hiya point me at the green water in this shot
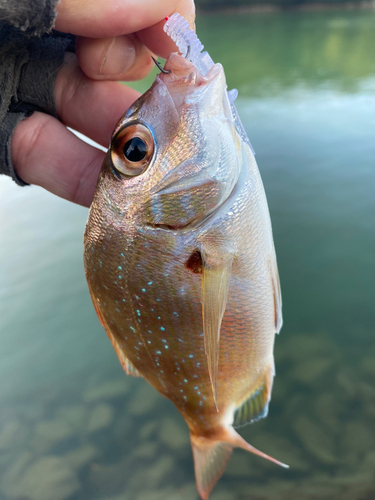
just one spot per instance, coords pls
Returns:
(74, 427)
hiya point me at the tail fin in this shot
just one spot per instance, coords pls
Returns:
(211, 457)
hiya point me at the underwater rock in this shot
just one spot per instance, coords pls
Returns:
(353, 479)
(155, 473)
(357, 438)
(101, 416)
(81, 456)
(240, 465)
(146, 450)
(12, 434)
(306, 346)
(187, 492)
(358, 492)
(367, 366)
(121, 428)
(223, 494)
(310, 370)
(269, 490)
(317, 442)
(159, 470)
(110, 479)
(13, 473)
(366, 392)
(148, 429)
(75, 416)
(327, 408)
(283, 449)
(347, 381)
(319, 487)
(108, 390)
(144, 400)
(49, 478)
(50, 432)
(172, 434)
(369, 462)
(168, 493)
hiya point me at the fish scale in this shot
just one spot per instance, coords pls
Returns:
(180, 261)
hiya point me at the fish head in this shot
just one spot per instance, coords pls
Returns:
(175, 155)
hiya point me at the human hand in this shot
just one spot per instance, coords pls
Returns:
(115, 42)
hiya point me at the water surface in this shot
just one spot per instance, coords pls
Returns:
(74, 427)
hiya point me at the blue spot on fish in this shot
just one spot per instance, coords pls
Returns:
(162, 328)
(120, 268)
(149, 283)
(143, 289)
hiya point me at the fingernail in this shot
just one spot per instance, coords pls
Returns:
(118, 57)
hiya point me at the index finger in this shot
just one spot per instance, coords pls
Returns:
(103, 18)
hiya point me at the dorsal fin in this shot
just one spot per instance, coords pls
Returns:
(255, 405)
(215, 285)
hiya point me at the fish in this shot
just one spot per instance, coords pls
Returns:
(180, 260)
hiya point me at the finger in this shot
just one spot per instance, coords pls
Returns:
(91, 107)
(116, 58)
(104, 18)
(46, 153)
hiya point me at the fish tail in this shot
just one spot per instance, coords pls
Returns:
(211, 456)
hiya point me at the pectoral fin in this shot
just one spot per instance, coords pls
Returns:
(255, 404)
(215, 285)
(276, 293)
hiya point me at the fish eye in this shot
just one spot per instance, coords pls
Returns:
(132, 149)
(135, 149)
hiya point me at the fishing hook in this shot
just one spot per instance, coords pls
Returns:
(167, 71)
(159, 66)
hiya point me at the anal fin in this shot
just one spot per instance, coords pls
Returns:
(215, 285)
(255, 405)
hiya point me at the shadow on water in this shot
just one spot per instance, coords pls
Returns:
(73, 426)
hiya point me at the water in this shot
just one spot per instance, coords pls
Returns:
(74, 427)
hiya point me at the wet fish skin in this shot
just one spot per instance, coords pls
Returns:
(181, 264)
